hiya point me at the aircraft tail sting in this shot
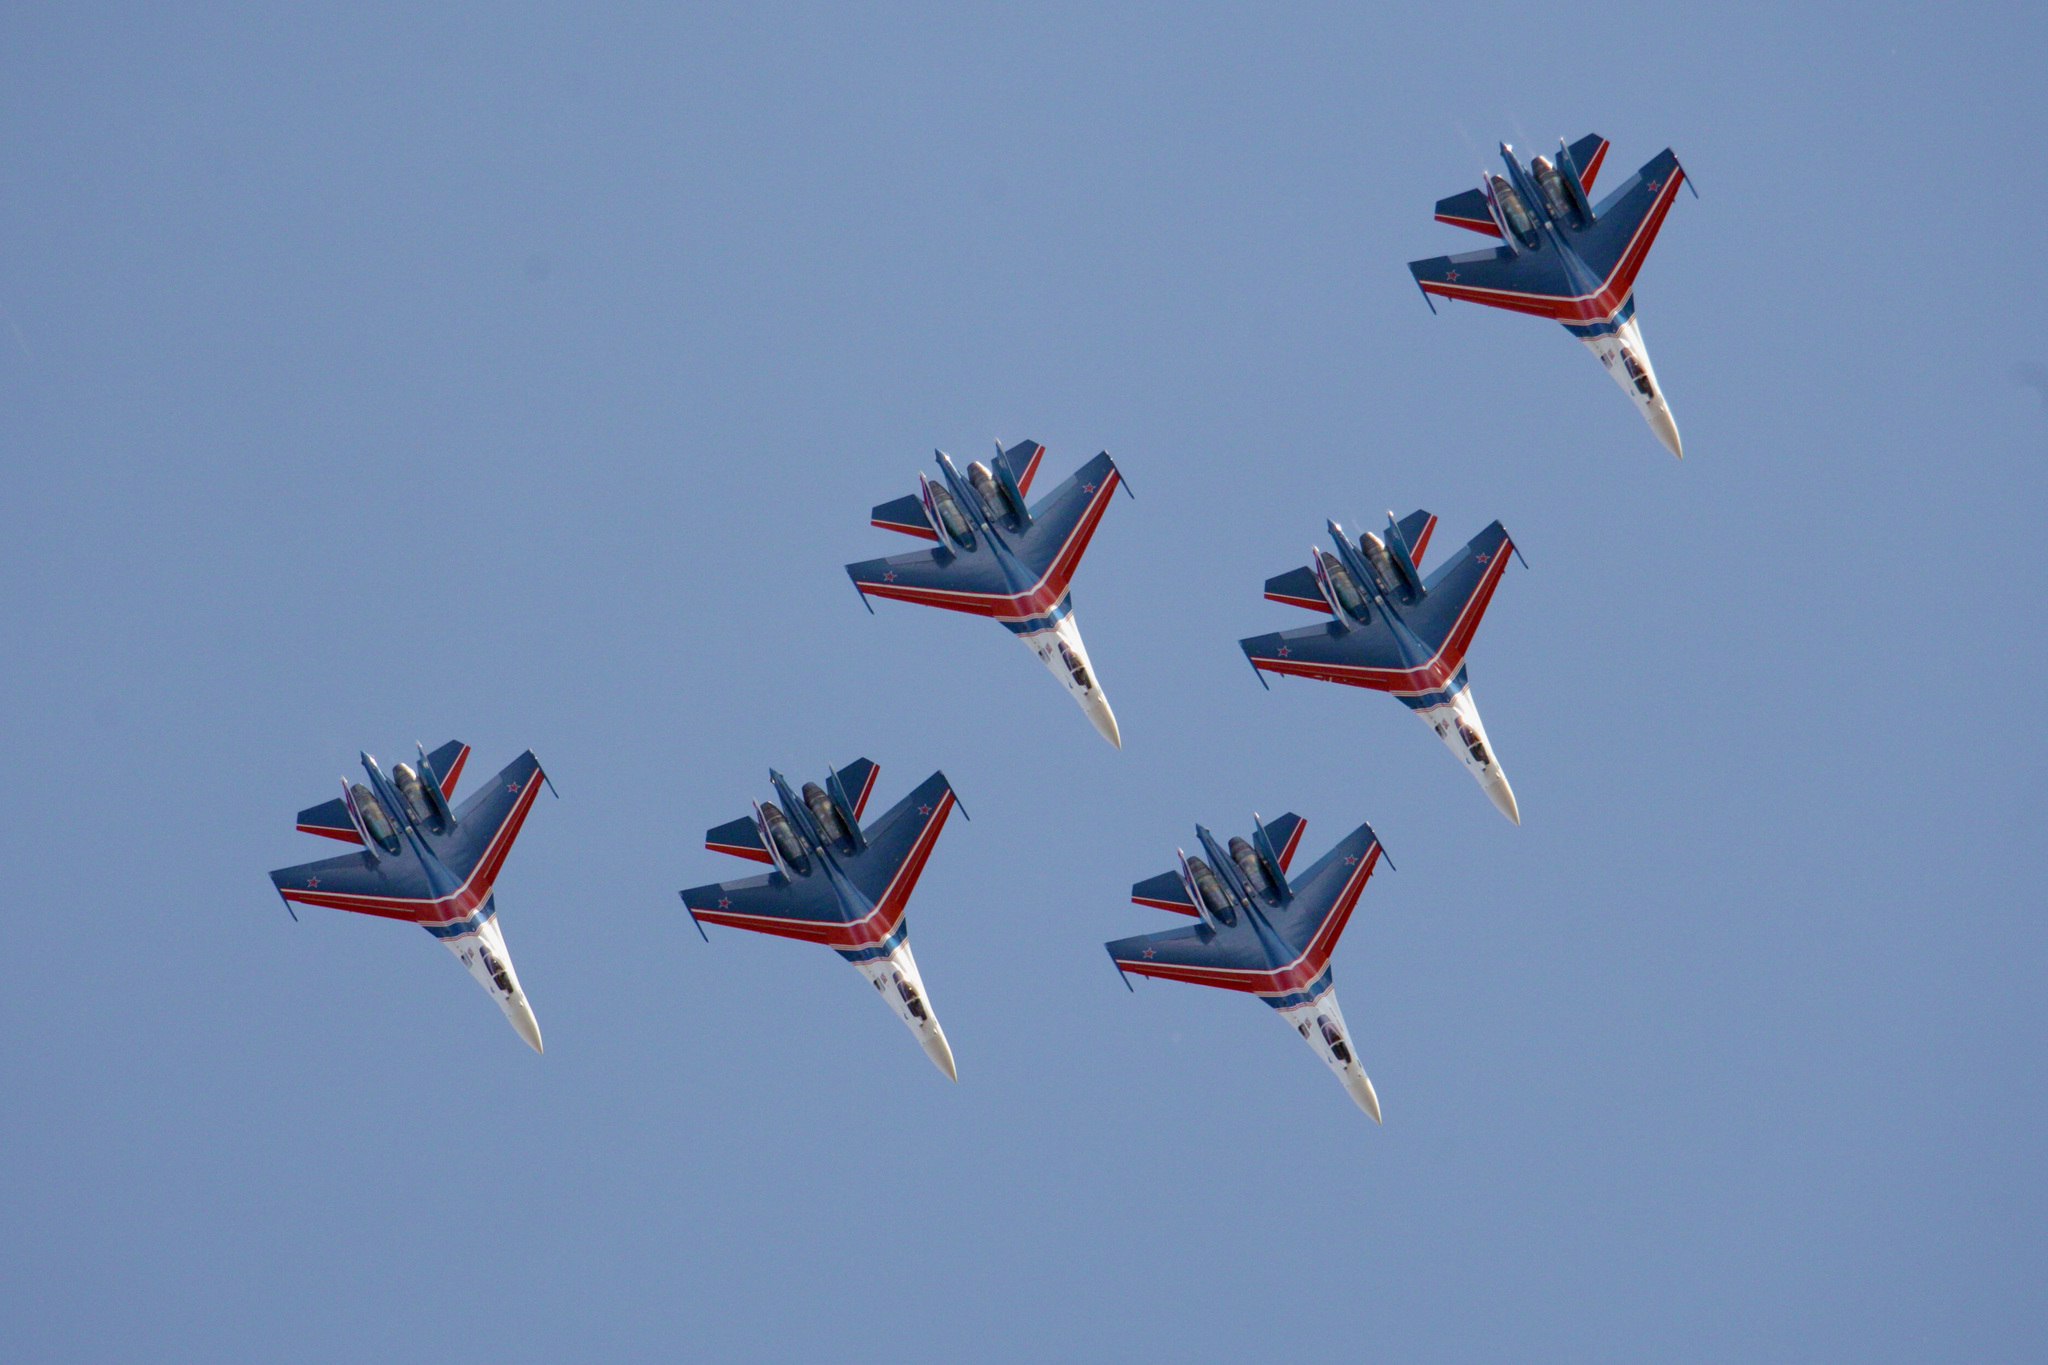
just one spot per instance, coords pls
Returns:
(426, 862)
(1392, 630)
(838, 883)
(1262, 933)
(998, 557)
(1564, 258)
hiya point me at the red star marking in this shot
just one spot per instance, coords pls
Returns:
(1451, 276)
(889, 577)
(1656, 185)
(312, 882)
(1149, 952)
(1285, 651)
(1087, 488)
(924, 810)
(724, 903)
(1479, 559)
(511, 786)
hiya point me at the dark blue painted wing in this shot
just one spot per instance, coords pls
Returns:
(1007, 575)
(1538, 282)
(1330, 653)
(394, 886)
(1459, 591)
(899, 842)
(1063, 520)
(803, 909)
(1232, 958)
(1626, 221)
(1330, 884)
(1583, 287)
(489, 821)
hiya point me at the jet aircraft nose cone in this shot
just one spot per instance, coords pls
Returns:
(523, 1022)
(1666, 429)
(941, 1052)
(1503, 796)
(1365, 1096)
(1104, 719)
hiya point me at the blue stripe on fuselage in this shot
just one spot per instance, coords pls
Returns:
(1059, 613)
(457, 928)
(1612, 325)
(882, 949)
(1424, 701)
(1304, 996)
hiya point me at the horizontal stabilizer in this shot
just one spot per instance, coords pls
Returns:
(741, 838)
(1467, 210)
(905, 514)
(1023, 458)
(1164, 892)
(1298, 588)
(330, 820)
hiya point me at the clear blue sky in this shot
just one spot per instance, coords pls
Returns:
(524, 376)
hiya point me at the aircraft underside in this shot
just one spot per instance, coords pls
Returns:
(1320, 1022)
(896, 980)
(1457, 724)
(483, 953)
(1060, 650)
(1626, 359)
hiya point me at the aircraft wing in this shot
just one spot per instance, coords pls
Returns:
(773, 904)
(1013, 576)
(1627, 221)
(1324, 895)
(1364, 656)
(1457, 594)
(1547, 283)
(489, 821)
(394, 886)
(1239, 957)
(899, 842)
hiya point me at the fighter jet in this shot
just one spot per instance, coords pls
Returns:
(838, 884)
(424, 862)
(996, 557)
(1394, 632)
(1262, 933)
(1561, 257)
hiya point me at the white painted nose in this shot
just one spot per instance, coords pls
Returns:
(938, 1049)
(1502, 795)
(1666, 429)
(1103, 718)
(523, 1022)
